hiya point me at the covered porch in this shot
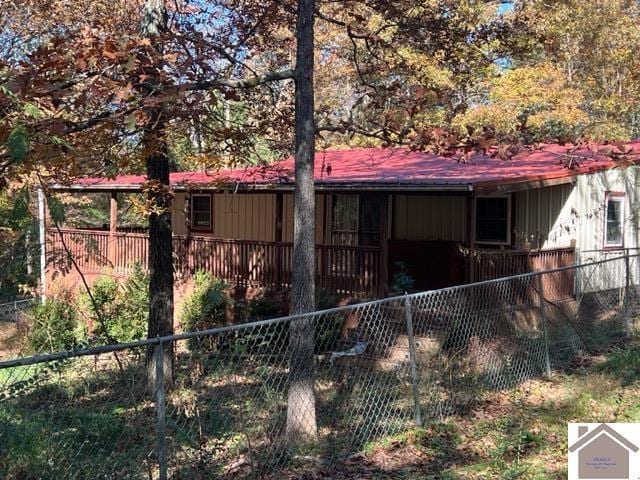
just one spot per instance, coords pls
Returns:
(364, 239)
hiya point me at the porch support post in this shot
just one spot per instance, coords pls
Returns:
(470, 237)
(113, 227)
(278, 240)
(42, 239)
(384, 247)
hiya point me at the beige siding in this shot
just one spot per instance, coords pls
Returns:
(589, 198)
(576, 211)
(249, 216)
(287, 217)
(178, 214)
(429, 218)
(546, 212)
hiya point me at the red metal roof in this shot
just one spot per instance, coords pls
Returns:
(393, 167)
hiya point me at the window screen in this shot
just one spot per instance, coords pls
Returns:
(492, 220)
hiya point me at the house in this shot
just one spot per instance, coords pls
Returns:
(602, 453)
(378, 212)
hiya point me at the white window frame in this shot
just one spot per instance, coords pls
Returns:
(194, 227)
(619, 197)
(509, 199)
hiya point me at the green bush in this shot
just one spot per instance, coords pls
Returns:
(204, 308)
(263, 309)
(119, 314)
(324, 300)
(55, 327)
(402, 282)
(133, 299)
(102, 311)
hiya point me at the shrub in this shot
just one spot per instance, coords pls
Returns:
(204, 308)
(133, 300)
(55, 327)
(102, 311)
(119, 314)
(324, 300)
(402, 282)
(264, 308)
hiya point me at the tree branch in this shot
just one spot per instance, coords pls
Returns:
(247, 82)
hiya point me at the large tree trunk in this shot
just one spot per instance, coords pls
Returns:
(301, 409)
(159, 196)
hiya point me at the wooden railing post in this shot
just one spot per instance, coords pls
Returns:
(113, 228)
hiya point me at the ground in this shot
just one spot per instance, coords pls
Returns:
(520, 434)
(10, 340)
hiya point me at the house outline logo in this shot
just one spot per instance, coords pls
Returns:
(602, 453)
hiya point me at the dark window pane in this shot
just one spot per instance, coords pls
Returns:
(370, 207)
(614, 222)
(201, 203)
(492, 220)
(201, 211)
(344, 227)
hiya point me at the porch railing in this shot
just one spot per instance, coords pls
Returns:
(490, 264)
(344, 270)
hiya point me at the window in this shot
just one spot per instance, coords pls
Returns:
(201, 212)
(344, 225)
(493, 220)
(614, 218)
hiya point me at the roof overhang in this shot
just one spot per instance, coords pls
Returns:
(320, 187)
(484, 187)
(488, 188)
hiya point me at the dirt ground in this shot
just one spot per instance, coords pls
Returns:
(520, 434)
(11, 338)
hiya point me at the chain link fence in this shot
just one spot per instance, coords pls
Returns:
(12, 311)
(379, 368)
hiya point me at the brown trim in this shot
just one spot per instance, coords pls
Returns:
(279, 219)
(200, 229)
(513, 219)
(113, 226)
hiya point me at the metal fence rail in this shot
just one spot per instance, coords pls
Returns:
(379, 368)
(11, 311)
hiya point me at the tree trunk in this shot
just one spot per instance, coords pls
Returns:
(159, 196)
(301, 407)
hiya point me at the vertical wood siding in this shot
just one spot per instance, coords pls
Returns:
(244, 216)
(178, 214)
(429, 218)
(547, 212)
(287, 217)
(561, 213)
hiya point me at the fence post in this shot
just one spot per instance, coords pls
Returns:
(160, 400)
(412, 358)
(627, 309)
(15, 311)
(543, 321)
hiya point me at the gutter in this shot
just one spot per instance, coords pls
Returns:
(319, 187)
